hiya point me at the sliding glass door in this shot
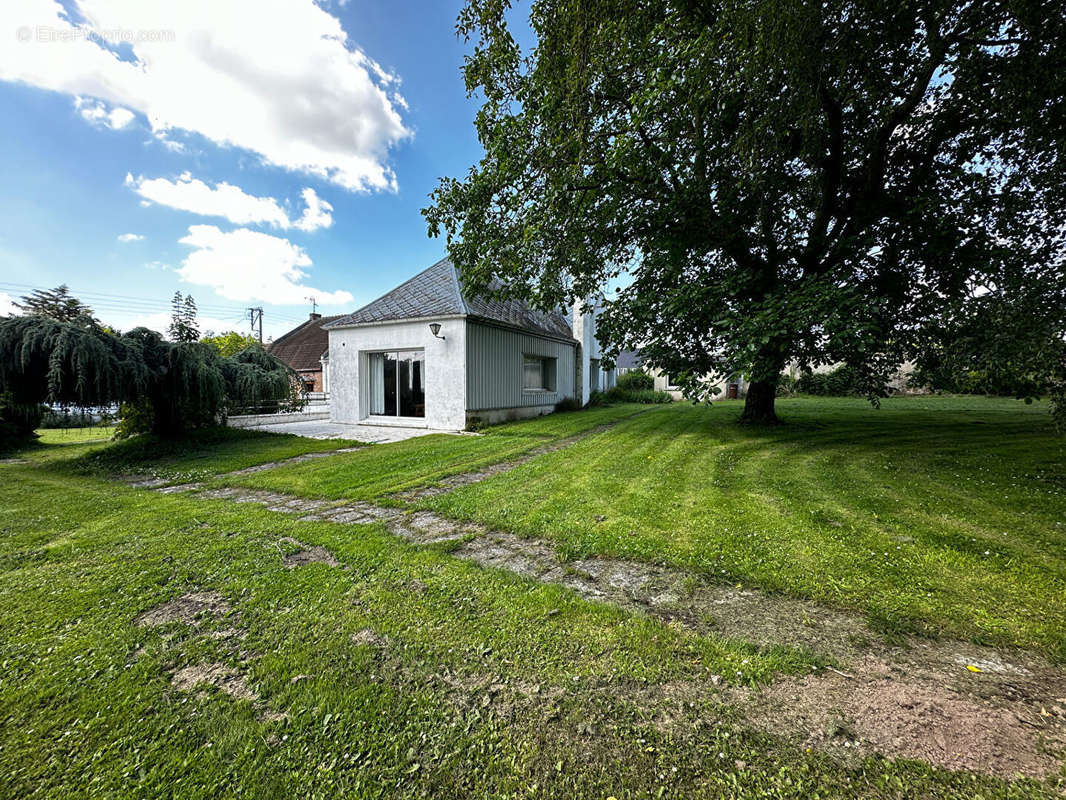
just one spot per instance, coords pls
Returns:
(397, 383)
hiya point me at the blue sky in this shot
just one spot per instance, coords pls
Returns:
(201, 148)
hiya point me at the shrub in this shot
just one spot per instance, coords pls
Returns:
(568, 404)
(636, 382)
(839, 382)
(18, 420)
(618, 395)
(786, 385)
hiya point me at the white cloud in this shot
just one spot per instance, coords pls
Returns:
(230, 202)
(317, 214)
(130, 237)
(248, 265)
(7, 305)
(98, 114)
(285, 83)
(222, 200)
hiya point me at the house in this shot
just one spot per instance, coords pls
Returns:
(432, 354)
(303, 348)
(632, 361)
(727, 388)
(628, 361)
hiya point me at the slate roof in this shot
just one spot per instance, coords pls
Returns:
(438, 292)
(303, 346)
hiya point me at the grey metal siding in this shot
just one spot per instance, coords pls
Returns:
(494, 368)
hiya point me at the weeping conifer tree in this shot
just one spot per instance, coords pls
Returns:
(164, 387)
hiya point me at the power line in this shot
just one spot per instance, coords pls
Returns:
(144, 305)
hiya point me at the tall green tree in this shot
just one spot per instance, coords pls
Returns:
(183, 325)
(771, 181)
(58, 304)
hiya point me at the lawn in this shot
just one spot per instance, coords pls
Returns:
(397, 672)
(378, 471)
(201, 454)
(347, 663)
(931, 515)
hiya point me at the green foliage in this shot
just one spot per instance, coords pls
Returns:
(58, 304)
(786, 385)
(617, 394)
(568, 404)
(1010, 341)
(230, 343)
(18, 420)
(254, 381)
(822, 182)
(839, 382)
(165, 387)
(183, 326)
(635, 381)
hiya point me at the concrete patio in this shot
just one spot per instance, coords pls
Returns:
(324, 429)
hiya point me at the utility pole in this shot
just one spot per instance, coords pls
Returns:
(256, 315)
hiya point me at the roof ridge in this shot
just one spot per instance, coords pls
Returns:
(398, 287)
(463, 305)
(289, 333)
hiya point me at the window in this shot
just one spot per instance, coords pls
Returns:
(397, 384)
(538, 374)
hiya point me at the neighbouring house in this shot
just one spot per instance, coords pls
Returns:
(432, 354)
(727, 388)
(632, 361)
(303, 349)
(628, 361)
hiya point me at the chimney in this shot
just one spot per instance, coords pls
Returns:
(315, 316)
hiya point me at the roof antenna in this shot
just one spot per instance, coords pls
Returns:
(314, 304)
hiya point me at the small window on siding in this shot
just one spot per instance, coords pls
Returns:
(538, 374)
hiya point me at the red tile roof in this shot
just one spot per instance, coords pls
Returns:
(303, 346)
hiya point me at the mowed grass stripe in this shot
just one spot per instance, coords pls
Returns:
(385, 469)
(931, 515)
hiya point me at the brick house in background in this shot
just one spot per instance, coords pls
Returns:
(302, 348)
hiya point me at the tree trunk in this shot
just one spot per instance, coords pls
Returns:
(759, 404)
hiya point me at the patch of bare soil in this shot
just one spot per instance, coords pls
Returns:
(369, 638)
(878, 709)
(141, 482)
(191, 608)
(307, 554)
(224, 678)
(13, 461)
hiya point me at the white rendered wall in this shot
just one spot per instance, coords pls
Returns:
(584, 329)
(445, 378)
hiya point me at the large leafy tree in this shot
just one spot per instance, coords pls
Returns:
(164, 387)
(230, 343)
(772, 181)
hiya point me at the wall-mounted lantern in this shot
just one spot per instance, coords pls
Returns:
(434, 328)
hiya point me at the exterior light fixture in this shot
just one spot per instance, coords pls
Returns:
(434, 328)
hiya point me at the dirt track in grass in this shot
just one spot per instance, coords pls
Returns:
(952, 704)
